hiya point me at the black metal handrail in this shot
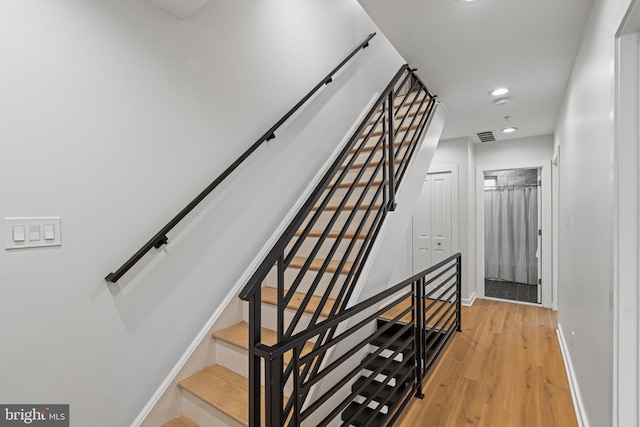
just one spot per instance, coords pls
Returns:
(319, 258)
(432, 301)
(160, 238)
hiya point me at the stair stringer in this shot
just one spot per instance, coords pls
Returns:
(377, 270)
(166, 402)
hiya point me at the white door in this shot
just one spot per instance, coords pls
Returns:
(432, 232)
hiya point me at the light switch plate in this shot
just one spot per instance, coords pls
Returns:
(40, 232)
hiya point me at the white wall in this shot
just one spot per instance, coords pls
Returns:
(585, 136)
(114, 114)
(514, 150)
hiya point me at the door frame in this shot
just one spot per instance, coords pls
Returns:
(549, 299)
(626, 256)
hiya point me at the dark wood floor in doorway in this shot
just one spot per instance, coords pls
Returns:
(504, 370)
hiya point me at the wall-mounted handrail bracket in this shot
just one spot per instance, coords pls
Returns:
(162, 240)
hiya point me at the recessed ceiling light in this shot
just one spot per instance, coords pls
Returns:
(502, 101)
(499, 91)
(466, 1)
(509, 129)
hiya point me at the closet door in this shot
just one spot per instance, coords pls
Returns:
(432, 222)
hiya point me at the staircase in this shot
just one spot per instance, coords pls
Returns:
(312, 276)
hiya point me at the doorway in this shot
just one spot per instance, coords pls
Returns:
(511, 229)
(547, 298)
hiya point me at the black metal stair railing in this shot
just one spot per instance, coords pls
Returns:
(312, 270)
(160, 238)
(385, 348)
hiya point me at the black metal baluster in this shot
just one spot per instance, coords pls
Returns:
(273, 391)
(297, 396)
(391, 156)
(254, 360)
(385, 161)
(281, 306)
(418, 334)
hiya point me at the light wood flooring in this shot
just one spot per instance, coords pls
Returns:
(504, 370)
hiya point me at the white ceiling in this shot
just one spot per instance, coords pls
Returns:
(180, 8)
(465, 49)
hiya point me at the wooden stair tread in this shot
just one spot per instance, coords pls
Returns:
(362, 207)
(379, 132)
(360, 165)
(333, 234)
(181, 421)
(360, 184)
(316, 264)
(411, 114)
(401, 115)
(223, 389)
(238, 335)
(270, 296)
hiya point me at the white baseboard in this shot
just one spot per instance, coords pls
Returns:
(469, 301)
(578, 405)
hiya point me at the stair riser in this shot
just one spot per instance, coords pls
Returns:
(360, 189)
(352, 176)
(326, 217)
(401, 130)
(404, 108)
(401, 138)
(204, 414)
(269, 318)
(236, 359)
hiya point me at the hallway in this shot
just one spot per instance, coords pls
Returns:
(504, 370)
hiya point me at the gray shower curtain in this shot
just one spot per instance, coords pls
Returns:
(510, 239)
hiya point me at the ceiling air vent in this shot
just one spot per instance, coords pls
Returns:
(487, 136)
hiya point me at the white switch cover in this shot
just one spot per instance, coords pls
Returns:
(18, 233)
(49, 231)
(34, 232)
(22, 233)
